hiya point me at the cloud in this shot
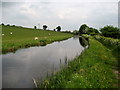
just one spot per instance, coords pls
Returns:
(60, 0)
(70, 15)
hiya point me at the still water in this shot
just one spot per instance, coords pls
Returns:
(35, 62)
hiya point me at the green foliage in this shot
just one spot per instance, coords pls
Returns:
(53, 29)
(66, 31)
(2, 24)
(8, 24)
(25, 37)
(58, 28)
(83, 41)
(13, 25)
(113, 44)
(45, 27)
(92, 69)
(35, 27)
(92, 31)
(110, 31)
(75, 32)
(83, 29)
(108, 41)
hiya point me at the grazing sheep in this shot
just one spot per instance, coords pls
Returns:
(11, 33)
(36, 38)
(3, 34)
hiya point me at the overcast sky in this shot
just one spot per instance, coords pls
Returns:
(69, 14)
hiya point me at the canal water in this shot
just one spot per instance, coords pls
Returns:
(19, 68)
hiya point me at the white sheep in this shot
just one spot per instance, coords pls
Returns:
(11, 33)
(3, 34)
(36, 38)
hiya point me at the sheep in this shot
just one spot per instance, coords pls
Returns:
(11, 33)
(3, 34)
(36, 38)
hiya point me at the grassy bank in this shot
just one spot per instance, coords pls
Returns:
(112, 44)
(25, 37)
(94, 68)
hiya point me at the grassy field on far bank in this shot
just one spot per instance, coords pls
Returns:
(96, 67)
(25, 37)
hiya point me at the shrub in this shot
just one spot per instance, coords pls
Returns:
(110, 31)
(45, 27)
(108, 41)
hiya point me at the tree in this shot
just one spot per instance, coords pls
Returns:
(35, 27)
(2, 24)
(58, 28)
(8, 24)
(110, 31)
(92, 31)
(53, 29)
(83, 29)
(44, 27)
(75, 32)
(13, 25)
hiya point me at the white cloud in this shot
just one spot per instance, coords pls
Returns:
(70, 15)
(25, 9)
(60, 0)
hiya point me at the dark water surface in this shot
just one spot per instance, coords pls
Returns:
(35, 62)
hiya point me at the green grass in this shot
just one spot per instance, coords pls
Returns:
(94, 68)
(112, 44)
(24, 37)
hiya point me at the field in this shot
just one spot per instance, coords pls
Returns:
(96, 67)
(25, 37)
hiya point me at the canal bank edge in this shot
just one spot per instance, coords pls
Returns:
(39, 43)
(92, 69)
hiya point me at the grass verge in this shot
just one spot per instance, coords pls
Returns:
(94, 68)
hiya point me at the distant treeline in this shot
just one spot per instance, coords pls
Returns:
(45, 27)
(107, 31)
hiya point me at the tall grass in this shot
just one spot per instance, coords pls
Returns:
(92, 69)
(109, 42)
(113, 44)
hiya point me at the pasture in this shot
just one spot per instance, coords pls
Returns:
(14, 37)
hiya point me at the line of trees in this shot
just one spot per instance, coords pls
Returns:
(9, 25)
(107, 31)
(58, 28)
(110, 31)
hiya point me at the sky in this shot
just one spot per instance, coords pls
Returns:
(69, 14)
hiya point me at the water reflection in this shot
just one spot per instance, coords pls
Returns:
(35, 62)
(84, 41)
